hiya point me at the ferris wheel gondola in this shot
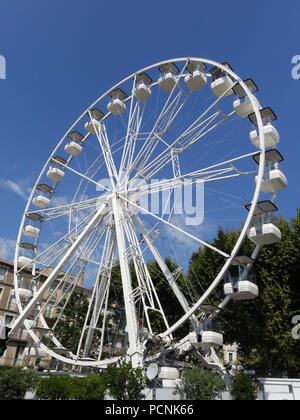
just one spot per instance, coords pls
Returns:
(85, 215)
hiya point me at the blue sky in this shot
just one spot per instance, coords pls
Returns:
(61, 55)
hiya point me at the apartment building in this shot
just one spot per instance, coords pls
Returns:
(21, 352)
(18, 352)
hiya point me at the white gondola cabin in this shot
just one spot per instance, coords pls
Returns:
(74, 147)
(117, 105)
(271, 135)
(168, 79)
(211, 338)
(264, 230)
(26, 255)
(243, 286)
(168, 375)
(195, 79)
(142, 90)
(42, 196)
(94, 120)
(211, 335)
(243, 106)
(55, 171)
(32, 225)
(264, 233)
(168, 372)
(222, 83)
(274, 179)
(24, 294)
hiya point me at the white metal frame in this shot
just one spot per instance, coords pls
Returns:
(117, 199)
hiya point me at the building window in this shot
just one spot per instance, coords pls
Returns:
(47, 312)
(230, 357)
(19, 351)
(1, 290)
(12, 303)
(3, 271)
(8, 320)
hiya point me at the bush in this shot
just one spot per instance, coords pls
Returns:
(92, 387)
(243, 387)
(125, 382)
(64, 387)
(54, 387)
(198, 383)
(15, 382)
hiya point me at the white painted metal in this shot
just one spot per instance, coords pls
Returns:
(39, 294)
(195, 81)
(116, 106)
(222, 86)
(55, 174)
(90, 126)
(243, 107)
(73, 148)
(166, 372)
(124, 205)
(167, 82)
(211, 339)
(23, 293)
(271, 136)
(31, 231)
(35, 352)
(41, 201)
(243, 290)
(24, 262)
(134, 350)
(141, 92)
(276, 181)
(269, 234)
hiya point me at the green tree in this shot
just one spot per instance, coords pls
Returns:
(70, 326)
(198, 383)
(169, 302)
(91, 387)
(243, 388)
(15, 382)
(54, 387)
(124, 382)
(262, 327)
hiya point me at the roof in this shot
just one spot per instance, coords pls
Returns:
(2, 261)
(6, 262)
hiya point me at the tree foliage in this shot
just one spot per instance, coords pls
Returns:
(172, 308)
(198, 383)
(262, 327)
(243, 388)
(15, 382)
(91, 387)
(124, 382)
(65, 387)
(54, 387)
(70, 326)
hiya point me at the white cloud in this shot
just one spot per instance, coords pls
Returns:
(17, 188)
(7, 249)
(58, 201)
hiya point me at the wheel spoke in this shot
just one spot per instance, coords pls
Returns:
(170, 125)
(206, 244)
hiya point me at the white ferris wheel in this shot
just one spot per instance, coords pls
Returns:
(96, 205)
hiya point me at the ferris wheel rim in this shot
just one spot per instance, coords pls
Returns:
(253, 204)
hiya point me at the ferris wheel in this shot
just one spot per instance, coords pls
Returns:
(111, 197)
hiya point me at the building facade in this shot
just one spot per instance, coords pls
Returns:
(21, 348)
